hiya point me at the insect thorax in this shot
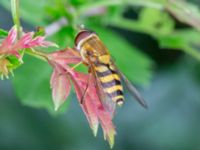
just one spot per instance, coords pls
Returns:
(92, 48)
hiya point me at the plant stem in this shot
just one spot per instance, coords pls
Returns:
(37, 54)
(15, 15)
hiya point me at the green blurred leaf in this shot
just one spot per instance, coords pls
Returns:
(31, 11)
(31, 83)
(3, 33)
(151, 21)
(130, 60)
(184, 11)
(59, 9)
(186, 40)
(162, 27)
(14, 62)
(79, 2)
(64, 38)
(155, 21)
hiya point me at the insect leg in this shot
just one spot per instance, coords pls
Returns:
(77, 65)
(85, 91)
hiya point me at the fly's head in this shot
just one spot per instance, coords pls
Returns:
(85, 45)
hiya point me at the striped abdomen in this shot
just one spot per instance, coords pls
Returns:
(111, 83)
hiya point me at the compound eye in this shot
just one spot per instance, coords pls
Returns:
(82, 35)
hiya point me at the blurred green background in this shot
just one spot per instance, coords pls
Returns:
(158, 49)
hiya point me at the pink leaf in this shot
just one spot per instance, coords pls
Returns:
(89, 107)
(61, 86)
(10, 46)
(107, 125)
(40, 41)
(10, 39)
(65, 57)
(24, 41)
(93, 108)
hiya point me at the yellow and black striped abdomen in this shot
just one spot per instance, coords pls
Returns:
(111, 83)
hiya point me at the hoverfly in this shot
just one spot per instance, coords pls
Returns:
(108, 79)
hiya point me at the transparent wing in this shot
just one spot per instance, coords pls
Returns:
(106, 101)
(133, 91)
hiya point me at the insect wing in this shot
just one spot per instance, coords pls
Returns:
(106, 101)
(133, 91)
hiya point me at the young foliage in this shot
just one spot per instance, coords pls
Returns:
(11, 46)
(85, 89)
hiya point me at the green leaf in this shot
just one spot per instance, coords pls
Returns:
(31, 11)
(64, 38)
(3, 33)
(133, 63)
(186, 40)
(14, 62)
(155, 21)
(31, 83)
(151, 21)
